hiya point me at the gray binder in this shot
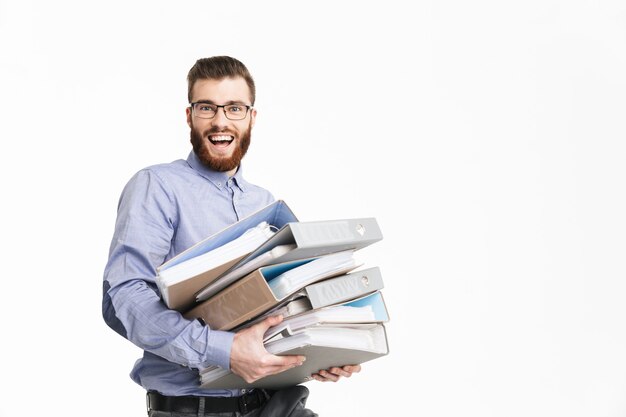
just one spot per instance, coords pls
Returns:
(346, 287)
(317, 238)
(332, 291)
(317, 358)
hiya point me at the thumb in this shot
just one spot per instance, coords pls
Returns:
(269, 322)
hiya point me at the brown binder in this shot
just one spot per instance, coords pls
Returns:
(247, 298)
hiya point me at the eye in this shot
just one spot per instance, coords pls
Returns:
(205, 107)
(235, 108)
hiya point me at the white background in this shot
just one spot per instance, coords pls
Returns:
(487, 138)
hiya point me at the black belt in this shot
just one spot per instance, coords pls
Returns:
(189, 404)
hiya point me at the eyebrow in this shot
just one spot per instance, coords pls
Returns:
(228, 103)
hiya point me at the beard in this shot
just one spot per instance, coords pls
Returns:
(221, 164)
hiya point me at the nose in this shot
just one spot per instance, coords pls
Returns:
(220, 120)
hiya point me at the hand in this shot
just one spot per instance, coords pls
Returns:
(334, 374)
(250, 360)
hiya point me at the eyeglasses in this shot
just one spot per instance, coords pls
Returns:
(208, 110)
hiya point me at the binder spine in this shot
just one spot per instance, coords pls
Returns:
(354, 233)
(345, 287)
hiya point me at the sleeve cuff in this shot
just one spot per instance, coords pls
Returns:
(220, 343)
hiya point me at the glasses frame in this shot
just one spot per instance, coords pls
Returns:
(223, 106)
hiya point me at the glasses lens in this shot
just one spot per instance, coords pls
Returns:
(232, 111)
(236, 111)
(205, 111)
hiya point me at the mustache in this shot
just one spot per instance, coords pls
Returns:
(213, 130)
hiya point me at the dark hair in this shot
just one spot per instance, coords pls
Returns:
(218, 68)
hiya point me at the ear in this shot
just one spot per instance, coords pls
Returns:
(252, 117)
(188, 112)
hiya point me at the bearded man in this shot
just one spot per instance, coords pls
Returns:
(163, 210)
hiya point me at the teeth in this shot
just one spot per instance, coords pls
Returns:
(221, 138)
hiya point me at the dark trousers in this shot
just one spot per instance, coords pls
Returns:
(288, 402)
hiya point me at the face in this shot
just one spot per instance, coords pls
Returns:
(221, 143)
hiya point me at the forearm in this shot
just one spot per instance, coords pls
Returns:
(150, 325)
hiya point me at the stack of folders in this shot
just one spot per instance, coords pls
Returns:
(269, 264)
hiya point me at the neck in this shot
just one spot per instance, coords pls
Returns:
(232, 172)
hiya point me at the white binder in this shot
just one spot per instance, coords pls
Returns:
(182, 294)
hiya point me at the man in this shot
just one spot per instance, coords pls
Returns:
(165, 209)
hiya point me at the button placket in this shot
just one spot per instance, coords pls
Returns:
(234, 195)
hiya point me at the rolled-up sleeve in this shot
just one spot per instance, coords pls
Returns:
(145, 227)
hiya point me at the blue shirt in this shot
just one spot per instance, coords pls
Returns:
(163, 210)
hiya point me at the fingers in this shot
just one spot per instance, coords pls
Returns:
(277, 364)
(293, 362)
(268, 365)
(339, 372)
(284, 361)
(269, 322)
(352, 369)
(325, 376)
(335, 373)
(262, 327)
(249, 358)
(275, 369)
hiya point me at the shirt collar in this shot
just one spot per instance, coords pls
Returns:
(219, 179)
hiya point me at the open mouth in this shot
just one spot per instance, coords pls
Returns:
(221, 140)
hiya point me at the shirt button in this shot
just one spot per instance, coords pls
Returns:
(243, 391)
